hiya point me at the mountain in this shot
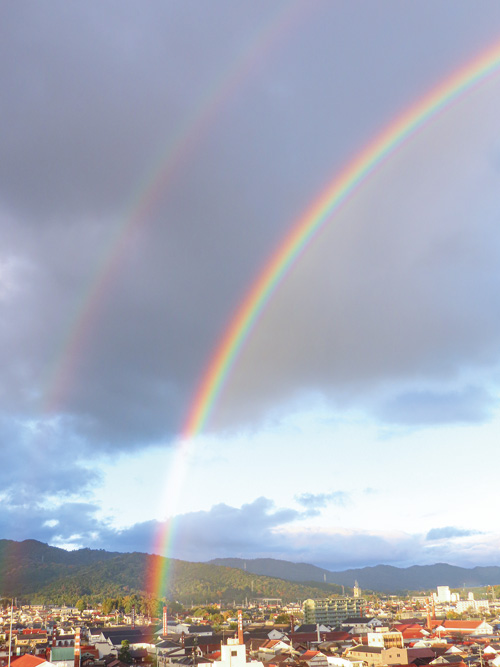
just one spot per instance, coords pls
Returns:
(37, 572)
(282, 569)
(383, 578)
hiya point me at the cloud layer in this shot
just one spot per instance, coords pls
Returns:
(153, 160)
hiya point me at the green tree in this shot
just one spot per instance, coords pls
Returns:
(108, 605)
(283, 618)
(124, 652)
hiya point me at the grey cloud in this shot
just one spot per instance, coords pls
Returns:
(95, 96)
(51, 525)
(320, 500)
(397, 297)
(47, 460)
(469, 405)
(449, 532)
(256, 530)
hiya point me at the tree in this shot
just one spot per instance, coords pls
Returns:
(107, 606)
(124, 652)
(283, 618)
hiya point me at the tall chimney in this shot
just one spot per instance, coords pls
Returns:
(54, 636)
(77, 648)
(165, 626)
(133, 616)
(240, 627)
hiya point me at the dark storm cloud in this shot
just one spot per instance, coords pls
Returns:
(93, 97)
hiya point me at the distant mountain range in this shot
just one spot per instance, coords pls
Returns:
(383, 578)
(37, 572)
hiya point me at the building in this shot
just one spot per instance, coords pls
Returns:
(477, 627)
(233, 654)
(472, 605)
(356, 592)
(332, 611)
(443, 594)
(385, 639)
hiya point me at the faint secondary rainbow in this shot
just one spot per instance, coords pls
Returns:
(155, 184)
(302, 233)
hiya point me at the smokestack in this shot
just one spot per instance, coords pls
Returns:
(317, 633)
(77, 648)
(54, 636)
(240, 627)
(165, 626)
(133, 616)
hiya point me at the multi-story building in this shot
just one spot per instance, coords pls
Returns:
(332, 611)
(472, 605)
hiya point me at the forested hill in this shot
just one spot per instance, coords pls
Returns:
(36, 572)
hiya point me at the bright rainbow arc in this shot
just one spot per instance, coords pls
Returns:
(300, 236)
(313, 220)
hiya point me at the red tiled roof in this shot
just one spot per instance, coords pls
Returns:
(309, 654)
(27, 661)
(466, 625)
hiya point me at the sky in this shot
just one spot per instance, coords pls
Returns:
(155, 156)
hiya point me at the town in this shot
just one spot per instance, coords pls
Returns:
(444, 627)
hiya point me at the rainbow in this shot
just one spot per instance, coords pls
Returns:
(304, 230)
(172, 157)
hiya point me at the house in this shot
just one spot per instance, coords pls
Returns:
(371, 655)
(233, 654)
(29, 661)
(360, 625)
(190, 629)
(407, 656)
(313, 659)
(271, 648)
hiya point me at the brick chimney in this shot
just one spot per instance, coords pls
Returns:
(165, 626)
(240, 627)
(77, 648)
